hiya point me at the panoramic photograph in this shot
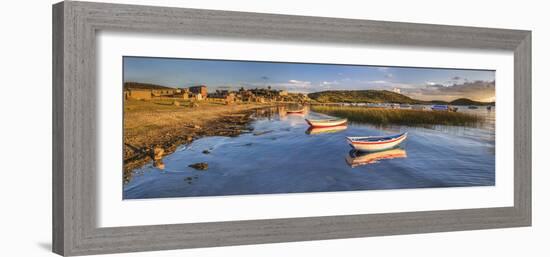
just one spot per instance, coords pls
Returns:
(198, 127)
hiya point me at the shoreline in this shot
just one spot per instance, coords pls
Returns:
(179, 125)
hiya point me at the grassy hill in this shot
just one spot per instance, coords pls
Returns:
(362, 96)
(380, 96)
(137, 85)
(466, 101)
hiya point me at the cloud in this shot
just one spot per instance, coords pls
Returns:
(379, 82)
(434, 85)
(477, 90)
(299, 82)
(328, 84)
(265, 77)
(293, 85)
(384, 84)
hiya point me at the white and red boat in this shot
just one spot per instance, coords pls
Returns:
(376, 143)
(326, 123)
(322, 130)
(296, 111)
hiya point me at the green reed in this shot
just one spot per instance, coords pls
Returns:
(399, 116)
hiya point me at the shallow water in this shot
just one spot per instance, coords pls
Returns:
(278, 156)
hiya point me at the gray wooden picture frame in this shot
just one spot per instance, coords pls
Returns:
(75, 25)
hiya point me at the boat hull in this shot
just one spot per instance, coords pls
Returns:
(326, 123)
(323, 130)
(300, 111)
(294, 112)
(377, 146)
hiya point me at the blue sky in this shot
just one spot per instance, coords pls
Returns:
(424, 83)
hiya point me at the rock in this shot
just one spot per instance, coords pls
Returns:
(158, 152)
(194, 126)
(206, 152)
(199, 166)
(158, 164)
(259, 133)
(189, 138)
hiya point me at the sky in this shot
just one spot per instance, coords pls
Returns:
(419, 83)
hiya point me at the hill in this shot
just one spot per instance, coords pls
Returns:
(380, 96)
(466, 101)
(362, 96)
(137, 85)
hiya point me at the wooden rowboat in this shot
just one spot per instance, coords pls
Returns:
(356, 158)
(326, 122)
(296, 111)
(323, 130)
(376, 143)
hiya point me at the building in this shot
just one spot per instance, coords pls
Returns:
(198, 97)
(230, 98)
(182, 93)
(219, 94)
(201, 89)
(396, 90)
(163, 92)
(138, 94)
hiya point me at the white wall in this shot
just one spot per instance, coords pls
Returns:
(25, 184)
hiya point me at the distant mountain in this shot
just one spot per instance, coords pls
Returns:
(466, 101)
(137, 85)
(361, 96)
(437, 102)
(380, 96)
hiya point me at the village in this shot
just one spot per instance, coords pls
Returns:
(138, 91)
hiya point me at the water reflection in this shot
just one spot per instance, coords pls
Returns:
(356, 158)
(282, 111)
(322, 130)
(159, 164)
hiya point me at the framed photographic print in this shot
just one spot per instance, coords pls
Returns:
(183, 128)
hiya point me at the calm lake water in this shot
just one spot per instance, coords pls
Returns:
(280, 155)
